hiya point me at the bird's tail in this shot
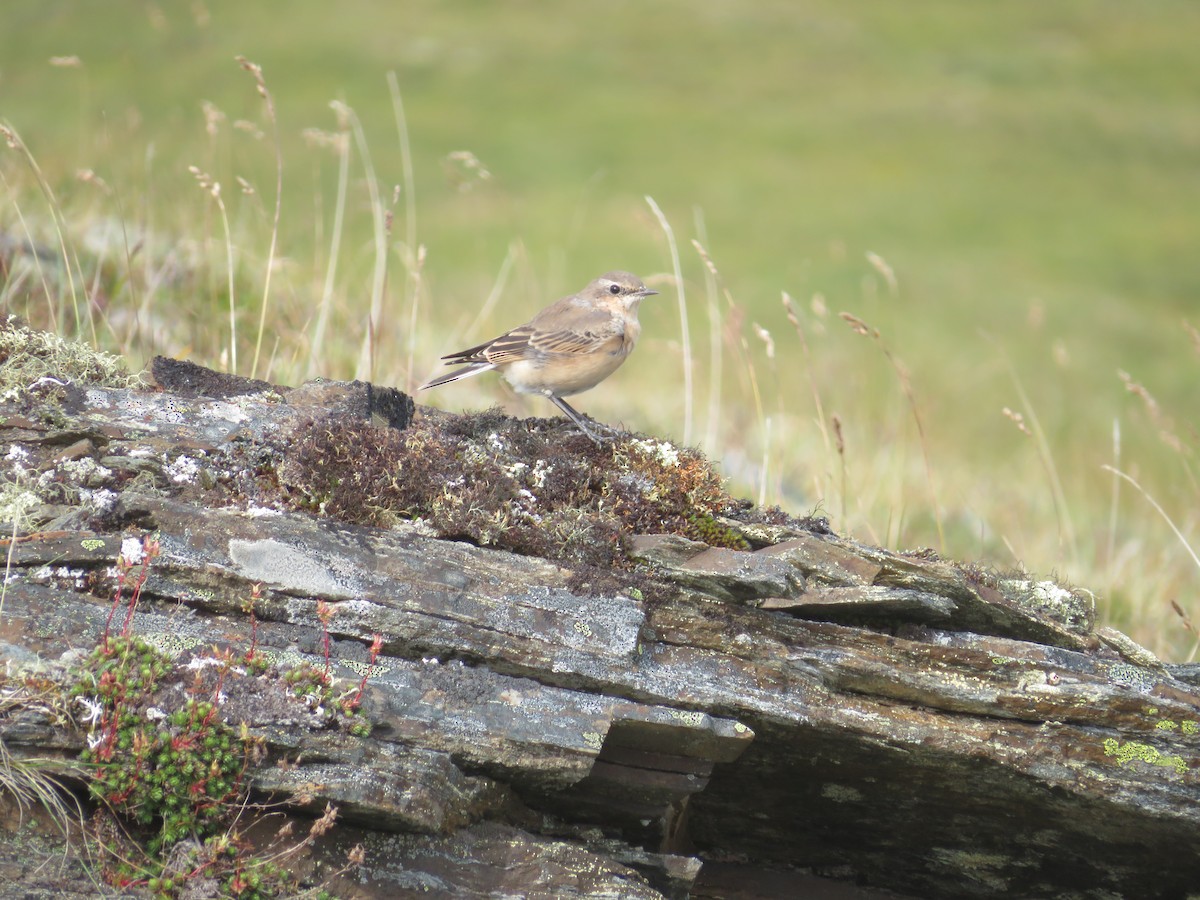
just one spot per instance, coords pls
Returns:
(459, 374)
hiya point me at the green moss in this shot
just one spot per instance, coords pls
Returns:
(706, 528)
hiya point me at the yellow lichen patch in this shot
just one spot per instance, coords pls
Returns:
(1130, 751)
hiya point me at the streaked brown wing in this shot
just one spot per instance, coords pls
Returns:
(509, 347)
(505, 348)
(564, 327)
(567, 343)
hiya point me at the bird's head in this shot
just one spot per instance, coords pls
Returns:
(623, 286)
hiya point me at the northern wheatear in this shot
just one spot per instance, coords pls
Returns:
(571, 345)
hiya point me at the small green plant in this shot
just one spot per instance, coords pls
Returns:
(163, 760)
(314, 684)
(176, 772)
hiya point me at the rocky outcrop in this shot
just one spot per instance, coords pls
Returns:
(724, 706)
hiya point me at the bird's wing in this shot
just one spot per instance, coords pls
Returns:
(564, 327)
(570, 343)
(572, 326)
(510, 346)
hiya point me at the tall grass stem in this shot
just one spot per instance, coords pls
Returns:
(685, 335)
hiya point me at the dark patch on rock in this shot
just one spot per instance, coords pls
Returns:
(187, 379)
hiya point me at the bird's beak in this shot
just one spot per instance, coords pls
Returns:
(646, 292)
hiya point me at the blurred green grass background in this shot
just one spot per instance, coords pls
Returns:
(1025, 176)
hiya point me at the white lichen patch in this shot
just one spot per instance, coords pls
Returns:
(93, 710)
(1050, 594)
(100, 501)
(199, 663)
(659, 451)
(37, 357)
(16, 503)
(60, 575)
(18, 494)
(282, 659)
(97, 399)
(132, 551)
(225, 411)
(183, 470)
(84, 469)
(360, 610)
(541, 469)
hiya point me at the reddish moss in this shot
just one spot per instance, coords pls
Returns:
(531, 486)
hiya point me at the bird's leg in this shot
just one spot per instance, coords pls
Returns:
(570, 413)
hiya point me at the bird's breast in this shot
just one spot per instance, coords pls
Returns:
(633, 330)
(565, 374)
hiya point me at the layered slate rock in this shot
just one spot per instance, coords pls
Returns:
(690, 718)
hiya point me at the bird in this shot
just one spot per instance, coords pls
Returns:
(570, 346)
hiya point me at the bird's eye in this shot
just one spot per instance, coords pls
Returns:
(614, 289)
